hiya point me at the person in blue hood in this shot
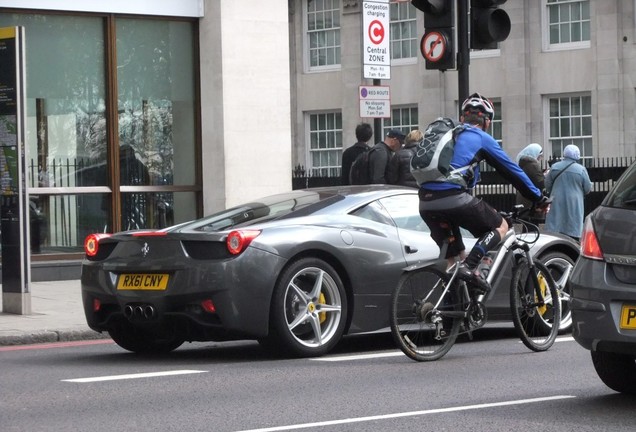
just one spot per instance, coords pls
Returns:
(446, 205)
(567, 182)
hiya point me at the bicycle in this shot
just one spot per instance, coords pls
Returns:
(431, 306)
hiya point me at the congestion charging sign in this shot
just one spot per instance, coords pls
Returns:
(375, 34)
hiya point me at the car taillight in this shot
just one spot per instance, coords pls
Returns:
(91, 243)
(590, 248)
(208, 306)
(238, 240)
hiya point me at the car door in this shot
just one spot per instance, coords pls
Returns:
(414, 234)
(375, 261)
(415, 237)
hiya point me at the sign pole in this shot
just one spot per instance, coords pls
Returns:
(14, 200)
(376, 54)
(377, 121)
(463, 52)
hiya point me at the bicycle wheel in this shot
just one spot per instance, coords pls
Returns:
(419, 304)
(536, 323)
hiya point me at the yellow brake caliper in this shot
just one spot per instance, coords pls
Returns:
(543, 286)
(323, 315)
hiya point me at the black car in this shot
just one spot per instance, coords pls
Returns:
(603, 285)
(295, 271)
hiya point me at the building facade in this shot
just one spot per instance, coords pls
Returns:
(148, 113)
(565, 74)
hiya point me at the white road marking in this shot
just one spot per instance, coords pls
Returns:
(409, 414)
(561, 339)
(359, 357)
(133, 376)
(395, 353)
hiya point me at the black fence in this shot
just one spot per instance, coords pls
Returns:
(495, 190)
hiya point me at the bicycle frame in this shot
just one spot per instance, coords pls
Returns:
(508, 245)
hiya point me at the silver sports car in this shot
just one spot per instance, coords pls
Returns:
(295, 271)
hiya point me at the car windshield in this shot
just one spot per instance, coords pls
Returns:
(623, 194)
(268, 208)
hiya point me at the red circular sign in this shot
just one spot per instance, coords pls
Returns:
(433, 46)
(376, 32)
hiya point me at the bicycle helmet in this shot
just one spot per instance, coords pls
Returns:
(477, 102)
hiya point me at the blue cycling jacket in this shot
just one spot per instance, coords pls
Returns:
(474, 145)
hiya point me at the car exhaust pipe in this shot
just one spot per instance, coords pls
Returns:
(140, 312)
(149, 312)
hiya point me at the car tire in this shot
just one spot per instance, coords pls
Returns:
(142, 342)
(308, 310)
(557, 262)
(617, 371)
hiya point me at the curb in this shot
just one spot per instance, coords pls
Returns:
(47, 336)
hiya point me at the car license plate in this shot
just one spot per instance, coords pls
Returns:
(141, 281)
(628, 317)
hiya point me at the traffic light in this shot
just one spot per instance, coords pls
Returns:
(489, 24)
(438, 43)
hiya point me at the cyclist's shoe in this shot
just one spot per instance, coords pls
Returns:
(474, 278)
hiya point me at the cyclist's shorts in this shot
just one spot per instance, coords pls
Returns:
(457, 210)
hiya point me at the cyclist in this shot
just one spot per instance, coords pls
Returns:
(448, 206)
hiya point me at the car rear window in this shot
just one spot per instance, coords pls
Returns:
(623, 194)
(294, 204)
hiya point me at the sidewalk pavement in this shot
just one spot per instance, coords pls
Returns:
(57, 315)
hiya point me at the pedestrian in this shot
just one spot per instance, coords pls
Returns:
(448, 205)
(529, 160)
(400, 165)
(364, 132)
(381, 155)
(567, 183)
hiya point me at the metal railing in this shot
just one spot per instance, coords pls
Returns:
(495, 190)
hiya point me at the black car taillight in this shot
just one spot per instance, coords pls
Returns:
(590, 247)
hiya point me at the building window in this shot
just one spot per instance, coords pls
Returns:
(156, 119)
(404, 43)
(75, 127)
(325, 138)
(402, 118)
(495, 129)
(568, 22)
(571, 123)
(323, 33)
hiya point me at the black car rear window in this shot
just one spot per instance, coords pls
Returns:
(623, 194)
(294, 204)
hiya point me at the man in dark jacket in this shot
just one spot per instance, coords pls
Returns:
(381, 155)
(364, 132)
(400, 165)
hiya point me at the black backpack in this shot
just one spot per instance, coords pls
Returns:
(359, 174)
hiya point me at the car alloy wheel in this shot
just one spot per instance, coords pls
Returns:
(309, 308)
(560, 266)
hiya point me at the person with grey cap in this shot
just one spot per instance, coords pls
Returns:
(381, 155)
(567, 183)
